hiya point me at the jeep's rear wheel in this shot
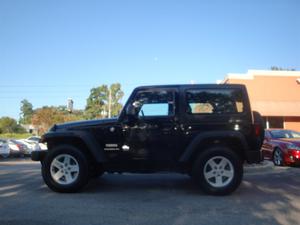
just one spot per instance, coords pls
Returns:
(218, 171)
(65, 169)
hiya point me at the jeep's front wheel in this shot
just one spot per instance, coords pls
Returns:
(65, 169)
(218, 171)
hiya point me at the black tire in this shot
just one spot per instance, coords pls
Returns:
(232, 165)
(278, 157)
(82, 176)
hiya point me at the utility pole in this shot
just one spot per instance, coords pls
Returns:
(109, 103)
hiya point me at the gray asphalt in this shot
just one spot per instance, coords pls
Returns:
(266, 196)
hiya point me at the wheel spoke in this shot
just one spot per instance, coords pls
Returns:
(219, 181)
(74, 168)
(58, 175)
(69, 178)
(210, 174)
(223, 162)
(57, 164)
(212, 164)
(67, 160)
(228, 173)
(278, 158)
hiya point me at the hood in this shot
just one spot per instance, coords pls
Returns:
(84, 124)
(295, 141)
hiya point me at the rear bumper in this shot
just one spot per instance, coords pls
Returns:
(254, 156)
(38, 155)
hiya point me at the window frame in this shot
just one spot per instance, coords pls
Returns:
(175, 97)
(185, 106)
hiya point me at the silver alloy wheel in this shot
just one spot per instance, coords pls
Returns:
(218, 171)
(64, 169)
(277, 157)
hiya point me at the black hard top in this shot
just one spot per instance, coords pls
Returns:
(242, 86)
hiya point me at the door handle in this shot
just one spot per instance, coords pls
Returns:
(183, 127)
(179, 126)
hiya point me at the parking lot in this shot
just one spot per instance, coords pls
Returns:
(268, 195)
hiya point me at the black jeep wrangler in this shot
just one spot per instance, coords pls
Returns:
(205, 131)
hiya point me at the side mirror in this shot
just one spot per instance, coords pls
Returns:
(137, 104)
(131, 109)
(131, 113)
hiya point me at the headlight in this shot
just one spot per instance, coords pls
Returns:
(293, 147)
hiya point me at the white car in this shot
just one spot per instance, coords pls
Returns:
(34, 138)
(16, 148)
(31, 145)
(4, 148)
(37, 139)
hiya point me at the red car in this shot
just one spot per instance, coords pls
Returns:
(282, 146)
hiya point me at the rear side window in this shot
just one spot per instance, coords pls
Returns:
(214, 101)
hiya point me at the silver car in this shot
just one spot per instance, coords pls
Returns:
(4, 148)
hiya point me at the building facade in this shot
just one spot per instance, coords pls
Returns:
(275, 94)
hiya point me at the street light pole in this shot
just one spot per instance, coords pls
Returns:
(70, 105)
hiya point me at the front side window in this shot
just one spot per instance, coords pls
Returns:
(214, 101)
(155, 103)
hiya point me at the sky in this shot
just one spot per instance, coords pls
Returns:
(54, 50)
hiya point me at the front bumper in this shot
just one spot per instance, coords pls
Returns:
(254, 156)
(292, 157)
(38, 155)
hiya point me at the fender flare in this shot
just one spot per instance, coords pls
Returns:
(93, 146)
(193, 146)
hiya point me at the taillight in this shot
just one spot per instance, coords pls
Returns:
(257, 129)
(19, 146)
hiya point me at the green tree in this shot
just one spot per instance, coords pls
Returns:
(45, 117)
(10, 125)
(95, 106)
(26, 112)
(116, 95)
(104, 101)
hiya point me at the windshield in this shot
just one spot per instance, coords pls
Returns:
(284, 134)
(37, 139)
